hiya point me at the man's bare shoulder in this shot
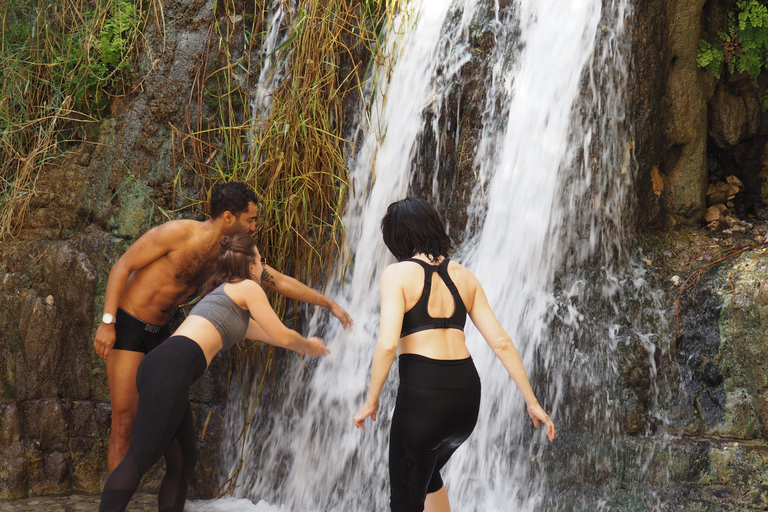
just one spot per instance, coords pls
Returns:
(179, 227)
(174, 234)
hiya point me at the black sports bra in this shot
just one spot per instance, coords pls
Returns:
(417, 318)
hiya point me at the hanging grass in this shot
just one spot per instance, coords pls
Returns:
(295, 155)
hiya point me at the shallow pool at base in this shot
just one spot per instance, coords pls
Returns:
(231, 505)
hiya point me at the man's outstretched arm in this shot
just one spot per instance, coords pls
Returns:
(295, 289)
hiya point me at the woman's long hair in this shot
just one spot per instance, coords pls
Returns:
(413, 226)
(233, 263)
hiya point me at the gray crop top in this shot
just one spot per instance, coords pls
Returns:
(227, 317)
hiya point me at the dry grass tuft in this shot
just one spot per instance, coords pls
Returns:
(60, 63)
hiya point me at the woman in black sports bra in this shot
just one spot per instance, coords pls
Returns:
(425, 298)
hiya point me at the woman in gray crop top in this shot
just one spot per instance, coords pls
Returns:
(425, 299)
(233, 306)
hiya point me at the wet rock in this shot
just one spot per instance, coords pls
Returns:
(57, 471)
(721, 192)
(10, 425)
(733, 180)
(81, 418)
(712, 374)
(44, 422)
(13, 477)
(84, 159)
(135, 209)
(71, 279)
(209, 419)
(47, 473)
(727, 118)
(686, 90)
(715, 213)
(39, 369)
(88, 456)
(88, 431)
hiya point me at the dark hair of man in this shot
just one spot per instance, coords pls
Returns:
(412, 226)
(233, 264)
(232, 197)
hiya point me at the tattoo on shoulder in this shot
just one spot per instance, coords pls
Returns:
(267, 279)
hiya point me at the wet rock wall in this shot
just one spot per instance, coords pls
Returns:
(711, 452)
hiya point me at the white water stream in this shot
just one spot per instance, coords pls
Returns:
(549, 197)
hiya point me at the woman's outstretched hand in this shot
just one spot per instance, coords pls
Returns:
(538, 416)
(365, 411)
(315, 347)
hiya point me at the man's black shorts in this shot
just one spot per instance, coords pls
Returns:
(136, 335)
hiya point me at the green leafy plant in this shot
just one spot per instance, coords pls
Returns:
(743, 45)
(118, 33)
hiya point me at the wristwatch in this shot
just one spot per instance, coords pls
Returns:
(108, 319)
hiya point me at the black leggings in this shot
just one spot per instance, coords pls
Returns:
(163, 427)
(436, 411)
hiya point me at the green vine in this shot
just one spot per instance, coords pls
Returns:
(742, 46)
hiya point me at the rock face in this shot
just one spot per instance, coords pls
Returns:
(684, 165)
(90, 205)
(715, 406)
(54, 406)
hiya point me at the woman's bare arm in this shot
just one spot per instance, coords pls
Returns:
(248, 293)
(390, 324)
(501, 344)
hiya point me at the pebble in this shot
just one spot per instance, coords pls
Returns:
(141, 502)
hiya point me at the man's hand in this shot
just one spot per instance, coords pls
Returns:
(343, 316)
(105, 340)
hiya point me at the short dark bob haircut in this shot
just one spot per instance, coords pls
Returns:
(412, 226)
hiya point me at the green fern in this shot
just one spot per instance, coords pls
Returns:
(743, 47)
(116, 34)
(710, 57)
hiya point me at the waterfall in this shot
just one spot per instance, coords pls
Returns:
(546, 221)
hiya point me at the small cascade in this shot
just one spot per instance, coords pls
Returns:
(272, 68)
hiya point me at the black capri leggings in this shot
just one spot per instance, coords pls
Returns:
(163, 426)
(436, 411)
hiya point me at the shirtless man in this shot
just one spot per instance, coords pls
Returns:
(160, 271)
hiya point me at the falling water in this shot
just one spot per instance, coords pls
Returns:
(545, 234)
(272, 68)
